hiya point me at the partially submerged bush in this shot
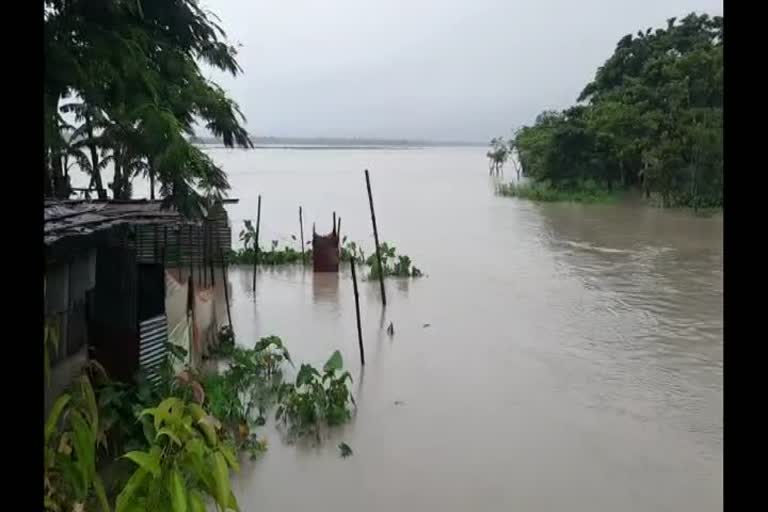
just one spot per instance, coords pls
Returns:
(397, 265)
(241, 395)
(586, 191)
(315, 399)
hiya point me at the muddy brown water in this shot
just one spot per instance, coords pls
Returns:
(573, 358)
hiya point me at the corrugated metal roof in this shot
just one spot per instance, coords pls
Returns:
(79, 218)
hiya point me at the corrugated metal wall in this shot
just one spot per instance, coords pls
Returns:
(153, 336)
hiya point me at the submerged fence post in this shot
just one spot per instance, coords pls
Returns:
(226, 290)
(357, 312)
(301, 231)
(376, 239)
(256, 242)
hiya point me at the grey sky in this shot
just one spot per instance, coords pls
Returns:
(421, 69)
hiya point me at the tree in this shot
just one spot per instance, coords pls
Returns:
(497, 155)
(652, 116)
(133, 66)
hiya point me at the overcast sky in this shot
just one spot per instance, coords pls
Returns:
(421, 69)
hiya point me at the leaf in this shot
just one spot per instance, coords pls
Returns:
(101, 493)
(170, 408)
(209, 431)
(166, 431)
(53, 417)
(85, 447)
(221, 478)
(232, 503)
(346, 451)
(196, 503)
(306, 374)
(125, 499)
(90, 400)
(334, 362)
(178, 492)
(147, 461)
(229, 455)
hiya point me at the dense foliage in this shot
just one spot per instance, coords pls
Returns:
(177, 437)
(652, 118)
(128, 71)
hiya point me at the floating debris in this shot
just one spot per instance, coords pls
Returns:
(346, 451)
(399, 402)
(426, 325)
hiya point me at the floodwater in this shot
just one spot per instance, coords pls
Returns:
(556, 356)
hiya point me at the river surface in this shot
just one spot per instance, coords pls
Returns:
(555, 356)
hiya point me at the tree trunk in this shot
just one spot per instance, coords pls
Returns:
(151, 185)
(60, 186)
(95, 170)
(623, 174)
(117, 182)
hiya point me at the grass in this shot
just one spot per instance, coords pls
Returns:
(585, 192)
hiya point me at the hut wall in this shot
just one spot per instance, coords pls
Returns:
(68, 288)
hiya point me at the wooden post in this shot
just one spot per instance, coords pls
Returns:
(210, 259)
(189, 253)
(338, 230)
(199, 261)
(226, 290)
(357, 312)
(301, 230)
(376, 239)
(178, 251)
(256, 242)
(165, 243)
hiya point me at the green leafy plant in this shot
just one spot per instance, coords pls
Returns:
(226, 343)
(391, 263)
(397, 265)
(186, 462)
(315, 399)
(351, 250)
(275, 256)
(72, 433)
(241, 395)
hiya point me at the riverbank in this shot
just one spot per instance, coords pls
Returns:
(591, 193)
(587, 192)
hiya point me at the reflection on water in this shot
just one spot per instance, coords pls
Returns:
(325, 287)
(573, 359)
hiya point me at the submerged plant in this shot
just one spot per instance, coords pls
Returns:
(315, 399)
(241, 395)
(393, 264)
(397, 265)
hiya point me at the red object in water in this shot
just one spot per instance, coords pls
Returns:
(325, 251)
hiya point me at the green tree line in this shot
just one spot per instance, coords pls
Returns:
(652, 119)
(128, 73)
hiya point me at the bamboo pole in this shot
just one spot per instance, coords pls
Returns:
(226, 290)
(376, 239)
(256, 242)
(357, 313)
(301, 231)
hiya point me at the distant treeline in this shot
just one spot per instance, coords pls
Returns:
(329, 141)
(652, 118)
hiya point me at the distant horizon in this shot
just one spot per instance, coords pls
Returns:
(343, 141)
